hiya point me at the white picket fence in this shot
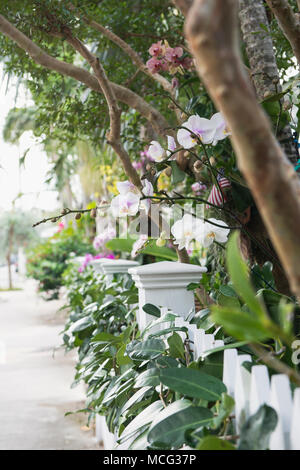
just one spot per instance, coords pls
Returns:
(250, 390)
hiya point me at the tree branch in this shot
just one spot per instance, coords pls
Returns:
(279, 366)
(113, 137)
(122, 94)
(135, 58)
(289, 22)
(212, 31)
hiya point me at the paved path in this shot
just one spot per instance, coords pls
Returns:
(35, 384)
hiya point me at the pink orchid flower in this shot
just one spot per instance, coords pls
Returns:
(156, 48)
(173, 54)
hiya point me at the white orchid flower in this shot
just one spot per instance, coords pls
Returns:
(138, 244)
(200, 127)
(171, 145)
(147, 191)
(125, 205)
(156, 151)
(186, 230)
(124, 187)
(219, 124)
(211, 233)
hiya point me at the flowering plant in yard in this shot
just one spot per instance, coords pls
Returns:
(208, 131)
(168, 59)
(89, 257)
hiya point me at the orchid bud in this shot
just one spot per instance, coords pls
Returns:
(78, 216)
(175, 82)
(160, 242)
(198, 166)
(93, 213)
(212, 161)
(168, 171)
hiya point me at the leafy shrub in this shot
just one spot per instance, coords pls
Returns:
(48, 260)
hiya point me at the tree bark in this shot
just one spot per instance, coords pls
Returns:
(264, 71)
(289, 22)
(212, 31)
(265, 77)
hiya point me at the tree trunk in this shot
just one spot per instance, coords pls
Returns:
(265, 78)
(264, 72)
(8, 256)
(10, 284)
(211, 30)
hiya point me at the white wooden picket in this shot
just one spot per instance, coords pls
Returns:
(250, 389)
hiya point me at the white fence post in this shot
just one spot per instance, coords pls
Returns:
(164, 284)
(109, 267)
(281, 401)
(260, 388)
(242, 390)
(295, 427)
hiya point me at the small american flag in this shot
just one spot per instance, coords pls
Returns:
(217, 196)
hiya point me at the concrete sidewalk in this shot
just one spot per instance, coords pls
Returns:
(35, 382)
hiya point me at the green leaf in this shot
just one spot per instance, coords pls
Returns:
(225, 408)
(105, 338)
(224, 347)
(212, 365)
(256, 431)
(172, 423)
(227, 291)
(193, 383)
(177, 174)
(148, 377)
(226, 301)
(152, 310)
(120, 244)
(122, 358)
(238, 272)
(149, 349)
(165, 361)
(176, 346)
(159, 251)
(214, 443)
(141, 420)
(239, 324)
(82, 324)
(136, 397)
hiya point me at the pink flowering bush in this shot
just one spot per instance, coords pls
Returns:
(89, 257)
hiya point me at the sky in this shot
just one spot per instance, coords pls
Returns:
(29, 180)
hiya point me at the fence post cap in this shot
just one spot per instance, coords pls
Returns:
(116, 266)
(168, 267)
(166, 275)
